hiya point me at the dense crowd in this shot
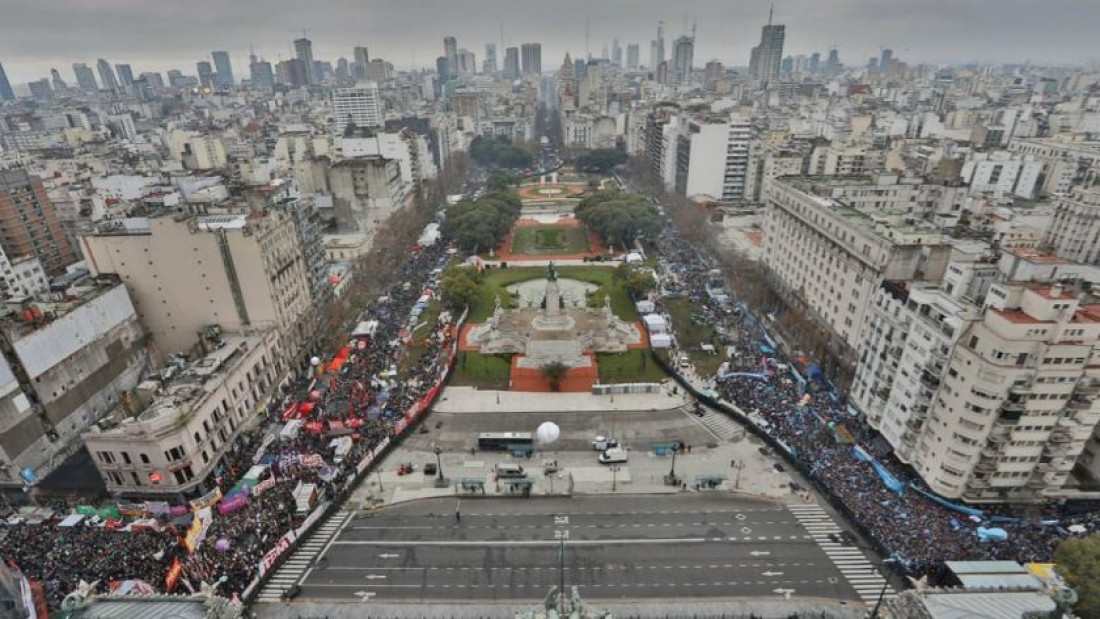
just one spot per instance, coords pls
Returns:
(822, 434)
(363, 399)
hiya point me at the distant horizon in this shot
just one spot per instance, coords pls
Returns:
(409, 33)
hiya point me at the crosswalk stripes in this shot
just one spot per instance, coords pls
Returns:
(849, 560)
(292, 571)
(719, 425)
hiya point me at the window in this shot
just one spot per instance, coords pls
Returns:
(144, 459)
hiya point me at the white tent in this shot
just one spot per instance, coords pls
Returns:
(633, 257)
(645, 306)
(655, 323)
(660, 340)
(71, 520)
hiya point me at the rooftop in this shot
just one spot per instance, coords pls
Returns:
(23, 316)
(1035, 256)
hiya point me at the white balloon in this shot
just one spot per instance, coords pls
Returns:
(547, 432)
(315, 361)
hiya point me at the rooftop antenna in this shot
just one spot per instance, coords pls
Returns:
(587, 52)
(771, 8)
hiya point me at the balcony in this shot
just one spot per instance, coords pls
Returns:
(986, 466)
(1079, 404)
(1060, 435)
(1013, 406)
(1088, 388)
(1022, 387)
(978, 483)
(930, 381)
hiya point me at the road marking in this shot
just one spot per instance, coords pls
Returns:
(388, 555)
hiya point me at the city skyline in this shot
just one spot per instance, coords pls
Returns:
(38, 41)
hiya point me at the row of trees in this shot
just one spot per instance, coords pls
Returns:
(600, 161)
(479, 225)
(619, 217)
(499, 152)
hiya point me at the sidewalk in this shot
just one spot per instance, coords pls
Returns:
(473, 400)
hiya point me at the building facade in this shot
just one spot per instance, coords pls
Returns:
(359, 105)
(1074, 231)
(29, 225)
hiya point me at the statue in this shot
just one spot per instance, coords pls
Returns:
(551, 274)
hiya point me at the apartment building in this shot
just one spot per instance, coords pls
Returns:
(29, 225)
(64, 363)
(170, 436)
(714, 158)
(1002, 173)
(239, 271)
(846, 160)
(1074, 231)
(830, 258)
(1065, 161)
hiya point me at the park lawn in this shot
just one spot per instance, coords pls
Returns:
(690, 336)
(416, 347)
(474, 369)
(632, 366)
(544, 240)
(495, 281)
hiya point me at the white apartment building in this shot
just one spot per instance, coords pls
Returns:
(1074, 231)
(170, 436)
(713, 158)
(1064, 160)
(831, 258)
(1002, 173)
(239, 271)
(359, 105)
(22, 277)
(840, 160)
(197, 151)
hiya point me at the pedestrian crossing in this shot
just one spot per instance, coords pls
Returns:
(719, 425)
(294, 569)
(848, 559)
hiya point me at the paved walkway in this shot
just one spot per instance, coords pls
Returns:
(473, 400)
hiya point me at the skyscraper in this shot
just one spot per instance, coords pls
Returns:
(450, 52)
(176, 79)
(107, 75)
(85, 79)
(359, 105)
(885, 60)
(764, 63)
(342, 73)
(362, 57)
(206, 74)
(303, 48)
(660, 43)
(6, 93)
(55, 77)
(125, 76)
(532, 58)
(683, 55)
(632, 57)
(511, 63)
(224, 69)
(815, 62)
(490, 65)
(616, 53)
(260, 73)
(833, 63)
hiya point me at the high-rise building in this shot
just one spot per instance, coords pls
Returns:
(107, 75)
(532, 58)
(1074, 231)
(616, 53)
(359, 105)
(490, 66)
(176, 79)
(467, 62)
(40, 89)
(815, 62)
(303, 48)
(125, 76)
(29, 225)
(152, 79)
(765, 60)
(450, 51)
(885, 60)
(206, 74)
(55, 79)
(291, 72)
(342, 72)
(833, 63)
(362, 57)
(632, 57)
(6, 93)
(511, 63)
(260, 73)
(683, 55)
(85, 79)
(224, 77)
(713, 158)
(660, 47)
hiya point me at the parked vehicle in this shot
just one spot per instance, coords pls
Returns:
(614, 455)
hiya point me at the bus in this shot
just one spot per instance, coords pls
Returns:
(504, 441)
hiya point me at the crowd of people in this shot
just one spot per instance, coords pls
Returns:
(365, 398)
(822, 434)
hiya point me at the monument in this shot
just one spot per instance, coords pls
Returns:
(552, 331)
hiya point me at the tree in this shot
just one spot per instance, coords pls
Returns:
(554, 371)
(498, 151)
(639, 282)
(1078, 560)
(600, 161)
(480, 225)
(458, 287)
(619, 217)
(500, 180)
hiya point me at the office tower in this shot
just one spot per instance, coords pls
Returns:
(652, 54)
(224, 69)
(815, 62)
(125, 76)
(632, 57)
(442, 69)
(605, 55)
(303, 48)
(532, 58)
(40, 89)
(467, 62)
(683, 55)
(490, 66)
(872, 65)
(362, 57)
(291, 72)
(260, 73)
(660, 43)
(29, 225)
(450, 51)
(787, 65)
(152, 79)
(885, 60)
(511, 63)
(342, 74)
(833, 63)
(616, 53)
(6, 93)
(107, 75)
(359, 105)
(764, 62)
(206, 74)
(176, 79)
(662, 72)
(322, 71)
(85, 79)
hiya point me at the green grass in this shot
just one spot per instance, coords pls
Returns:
(632, 366)
(691, 335)
(482, 371)
(496, 280)
(416, 347)
(539, 240)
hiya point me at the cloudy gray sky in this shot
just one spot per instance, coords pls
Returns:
(162, 34)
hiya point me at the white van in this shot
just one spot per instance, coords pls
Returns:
(603, 443)
(614, 455)
(507, 469)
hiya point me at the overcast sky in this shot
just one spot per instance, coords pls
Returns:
(162, 34)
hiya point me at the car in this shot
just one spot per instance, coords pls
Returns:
(615, 455)
(603, 443)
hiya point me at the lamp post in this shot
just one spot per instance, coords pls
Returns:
(885, 583)
(614, 476)
(738, 465)
(439, 466)
(672, 471)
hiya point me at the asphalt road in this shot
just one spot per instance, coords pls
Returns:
(685, 546)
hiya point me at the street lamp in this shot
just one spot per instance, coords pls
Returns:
(614, 476)
(885, 583)
(738, 465)
(439, 466)
(672, 472)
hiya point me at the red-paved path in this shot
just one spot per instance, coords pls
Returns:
(531, 192)
(579, 380)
